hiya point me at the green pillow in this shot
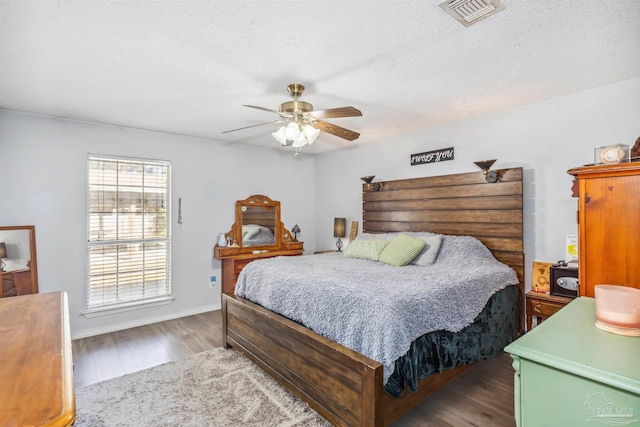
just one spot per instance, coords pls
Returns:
(365, 249)
(402, 250)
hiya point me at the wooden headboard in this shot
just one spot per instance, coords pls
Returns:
(460, 204)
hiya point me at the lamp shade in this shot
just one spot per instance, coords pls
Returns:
(339, 227)
(3, 250)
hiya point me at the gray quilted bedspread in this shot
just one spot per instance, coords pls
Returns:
(374, 308)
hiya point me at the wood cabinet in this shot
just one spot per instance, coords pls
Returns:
(233, 265)
(542, 306)
(608, 225)
(255, 213)
(570, 373)
(36, 372)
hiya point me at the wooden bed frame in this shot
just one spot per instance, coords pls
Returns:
(342, 385)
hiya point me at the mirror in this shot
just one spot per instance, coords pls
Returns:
(258, 225)
(257, 222)
(257, 230)
(19, 274)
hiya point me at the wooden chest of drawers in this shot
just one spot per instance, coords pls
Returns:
(570, 373)
(233, 265)
(36, 373)
(542, 306)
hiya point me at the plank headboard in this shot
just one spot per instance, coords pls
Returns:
(461, 204)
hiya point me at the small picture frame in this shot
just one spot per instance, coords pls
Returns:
(611, 154)
(541, 273)
(354, 230)
(571, 248)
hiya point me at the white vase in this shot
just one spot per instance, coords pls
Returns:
(222, 240)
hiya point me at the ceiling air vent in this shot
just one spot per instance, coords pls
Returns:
(469, 12)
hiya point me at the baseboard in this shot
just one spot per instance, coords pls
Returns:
(141, 322)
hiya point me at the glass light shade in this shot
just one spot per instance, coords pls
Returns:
(292, 131)
(310, 133)
(279, 136)
(292, 135)
(300, 141)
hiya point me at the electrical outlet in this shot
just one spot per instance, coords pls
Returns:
(212, 282)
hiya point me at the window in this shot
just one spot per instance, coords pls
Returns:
(129, 242)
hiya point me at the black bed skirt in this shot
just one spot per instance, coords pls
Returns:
(495, 327)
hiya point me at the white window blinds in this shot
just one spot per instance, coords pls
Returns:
(129, 243)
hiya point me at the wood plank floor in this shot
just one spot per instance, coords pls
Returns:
(482, 396)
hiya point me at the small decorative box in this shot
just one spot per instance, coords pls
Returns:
(609, 154)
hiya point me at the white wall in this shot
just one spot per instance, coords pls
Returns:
(546, 139)
(43, 183)
(43, 180)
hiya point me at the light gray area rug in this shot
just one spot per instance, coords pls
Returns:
(215, 388)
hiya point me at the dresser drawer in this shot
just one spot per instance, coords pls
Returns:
(544, 308)
(239, 265)
(233, 265)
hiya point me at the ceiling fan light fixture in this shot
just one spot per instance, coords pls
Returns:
(292, 135)
(310, 133)
(279, 136)
(300, 141)
(292, 131)
(304, 124)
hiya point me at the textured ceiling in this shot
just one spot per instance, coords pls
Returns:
(187, 67)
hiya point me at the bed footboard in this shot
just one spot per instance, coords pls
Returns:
(340, 384)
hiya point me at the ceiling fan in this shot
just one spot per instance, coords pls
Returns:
(303, 122)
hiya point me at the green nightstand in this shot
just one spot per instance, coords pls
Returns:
(570, 373)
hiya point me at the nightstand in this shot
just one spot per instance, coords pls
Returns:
(542, 306)
(326, 252)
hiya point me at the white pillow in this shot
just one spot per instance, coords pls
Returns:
(430, 251)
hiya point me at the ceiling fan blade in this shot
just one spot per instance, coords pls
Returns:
(337, 130)
(282, 114)
(331, 113)
(262, 108)
(252, 126)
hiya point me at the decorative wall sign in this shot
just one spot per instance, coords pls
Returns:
(434, 156)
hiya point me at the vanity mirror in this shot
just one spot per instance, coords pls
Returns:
(257, 222)
(257, 233)
(257, 228)
(19, 274)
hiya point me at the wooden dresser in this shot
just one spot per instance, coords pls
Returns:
(36, 373)
(254, 213)
(570, 373)
(608, 225)
(232, 265)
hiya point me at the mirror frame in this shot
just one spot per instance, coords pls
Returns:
(33, 262)
(257, 200)
(236, 228)
(284, 240)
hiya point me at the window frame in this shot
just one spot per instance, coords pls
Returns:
(165, 286)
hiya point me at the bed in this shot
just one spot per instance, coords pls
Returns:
(345, 386)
